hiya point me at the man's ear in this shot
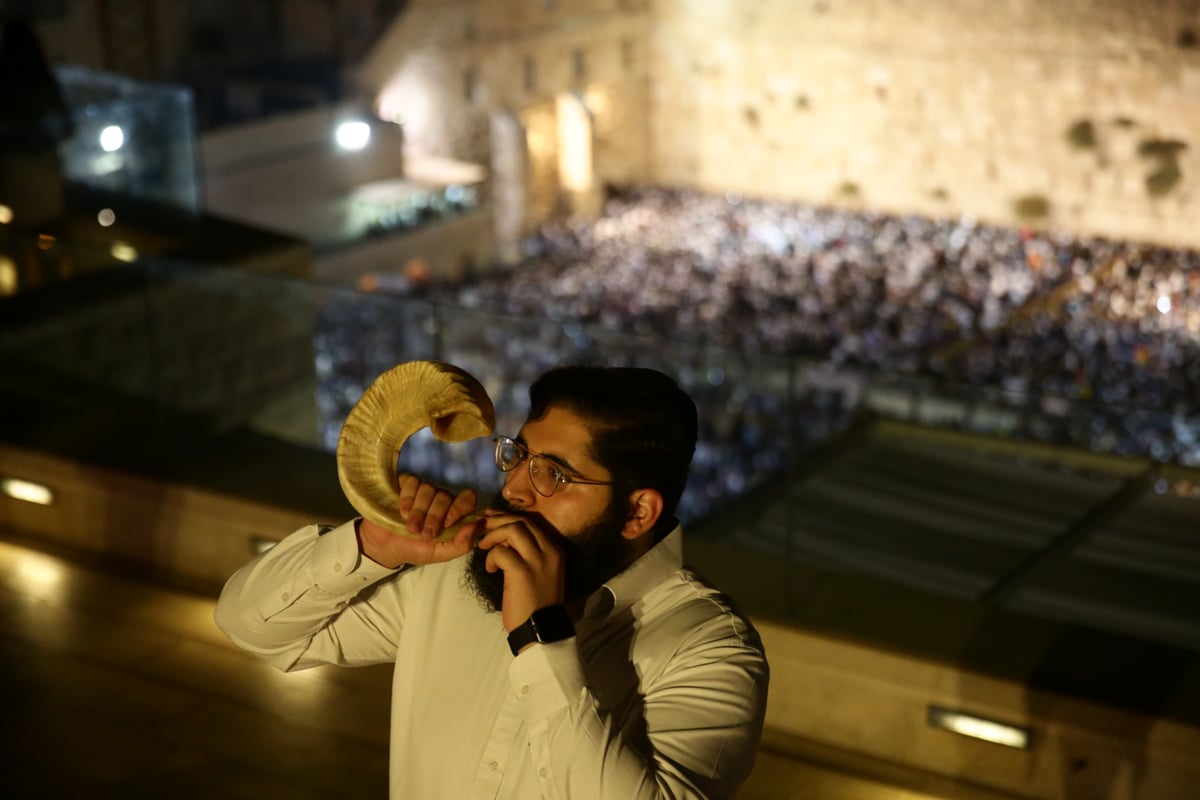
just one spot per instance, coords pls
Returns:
(645, 507)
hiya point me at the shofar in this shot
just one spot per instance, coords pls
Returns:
(402, 401)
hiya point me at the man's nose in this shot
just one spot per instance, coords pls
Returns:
(518, 489)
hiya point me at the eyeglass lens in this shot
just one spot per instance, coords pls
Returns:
(544, 476)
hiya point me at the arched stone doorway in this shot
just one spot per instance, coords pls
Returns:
(542, 165)
(579, 191)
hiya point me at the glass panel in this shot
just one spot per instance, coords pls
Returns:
(120, 346)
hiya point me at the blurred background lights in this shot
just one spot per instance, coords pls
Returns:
(353, 135)
(124, 252)
(112, 138)
(28, 491)
(8, 276)
(37, 575)
(6, 214)
(1164, 304)
(980, 728)
(106, 217)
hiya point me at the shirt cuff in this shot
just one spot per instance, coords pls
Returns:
(547, 678)
(339, 567)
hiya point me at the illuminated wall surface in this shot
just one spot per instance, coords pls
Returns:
(1073, 115)
(130, 137)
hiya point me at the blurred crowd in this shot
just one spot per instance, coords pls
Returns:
(1092, 341)
(1082, 317)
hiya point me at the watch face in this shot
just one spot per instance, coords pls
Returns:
(546, 625)
(552, 624)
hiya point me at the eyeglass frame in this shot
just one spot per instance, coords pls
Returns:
(561, 477)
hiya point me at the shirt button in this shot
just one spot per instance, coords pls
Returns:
(525, 689)
(284, 597)
(493, 766)
(543, 772)
(337, 567)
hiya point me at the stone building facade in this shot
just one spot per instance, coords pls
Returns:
(1080, 115)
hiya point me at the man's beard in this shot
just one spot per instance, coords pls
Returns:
(592, 556)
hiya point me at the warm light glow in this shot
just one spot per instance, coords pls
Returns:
(406, 101)
(45, 241)
(979, 728)
(106, 217)
(36, 573)
(597, 101)
(1164, 304)
(574, 144)
(8, 276)
(28, 491)
(112, 138)
(6, 214)
(353, 135)
(124, 252)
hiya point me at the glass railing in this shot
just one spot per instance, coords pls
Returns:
(174, 361)
(130, 137)
(233, 349)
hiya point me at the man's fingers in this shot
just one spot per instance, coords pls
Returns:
(503, 557)
(516, 535)
(427, 510)
(408, 491)
(463, 504)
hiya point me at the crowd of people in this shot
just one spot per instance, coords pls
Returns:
(1094, 341)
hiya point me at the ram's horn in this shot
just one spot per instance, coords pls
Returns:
(402, 401)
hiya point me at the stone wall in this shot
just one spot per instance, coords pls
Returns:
(448, 69)
(1079, 115)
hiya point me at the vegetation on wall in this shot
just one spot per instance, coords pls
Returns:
(1031, 207)
(1166, 174)
(1163, 154)
(1082, 135)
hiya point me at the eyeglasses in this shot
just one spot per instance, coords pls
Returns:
(545, 476)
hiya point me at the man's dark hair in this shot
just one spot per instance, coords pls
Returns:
(643, 426)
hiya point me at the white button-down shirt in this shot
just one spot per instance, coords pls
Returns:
(660, 694)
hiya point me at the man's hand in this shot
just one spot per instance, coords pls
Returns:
(533, 565)
(427, 510)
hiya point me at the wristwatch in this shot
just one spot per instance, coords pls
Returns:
(549, 624)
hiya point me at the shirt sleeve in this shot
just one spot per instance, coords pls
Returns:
(703, 719)
(313, 599)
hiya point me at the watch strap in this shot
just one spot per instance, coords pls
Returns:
(546, 625)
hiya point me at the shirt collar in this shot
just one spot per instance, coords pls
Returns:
(636, 580)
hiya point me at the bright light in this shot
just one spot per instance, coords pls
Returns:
(353, 135)
(106, 217)
(406, 101)
(1164, 304)
(979, 728)
(8, 276)
(28, 491)
(6, 214)
(575, 144)
(38, 575)
(111, 138)
(124, 252)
